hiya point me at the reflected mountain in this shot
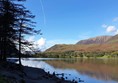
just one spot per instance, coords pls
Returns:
(104, 69)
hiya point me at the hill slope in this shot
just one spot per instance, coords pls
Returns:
(113, 39)
(84, 48)
(100, 43)
(95, 40)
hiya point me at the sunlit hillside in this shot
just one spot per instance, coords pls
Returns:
(102, 43)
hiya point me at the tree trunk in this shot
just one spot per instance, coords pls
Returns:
(20, 46)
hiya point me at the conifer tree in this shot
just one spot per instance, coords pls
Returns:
(15, 23)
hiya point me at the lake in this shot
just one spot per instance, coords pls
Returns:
(84, 70)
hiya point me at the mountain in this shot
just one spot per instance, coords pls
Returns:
(95, 40)
(84, 48)
(100, 43)
(113, 39)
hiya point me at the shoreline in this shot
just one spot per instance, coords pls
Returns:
(15, 74)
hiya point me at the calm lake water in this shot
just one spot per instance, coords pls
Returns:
(88, 70)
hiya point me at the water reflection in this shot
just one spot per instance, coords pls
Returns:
(89, 70)
(105, 69)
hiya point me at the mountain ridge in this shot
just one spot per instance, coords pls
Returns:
(95, 40)
(99, 43)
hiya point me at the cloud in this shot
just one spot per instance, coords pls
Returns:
(115, 19)
(104, 26)
(41, 42)
(38, 44)
(111, 29)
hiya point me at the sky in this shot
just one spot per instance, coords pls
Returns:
(68, 21)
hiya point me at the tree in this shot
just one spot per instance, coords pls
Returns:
(6, 24)
(15, 24)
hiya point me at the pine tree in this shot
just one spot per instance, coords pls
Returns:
(15, 23)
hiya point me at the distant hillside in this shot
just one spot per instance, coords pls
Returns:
(113, 39)
(95, 40)
(84, 48)
(100, 43)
